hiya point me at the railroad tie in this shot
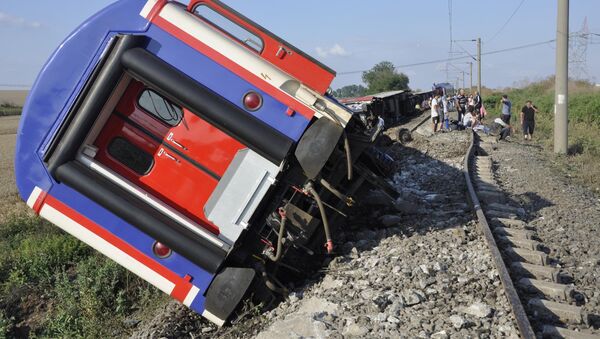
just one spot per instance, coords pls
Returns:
(532, 257)
(514, 232)
(482, 180)
(550, 289)
(482, 166)
(519, 242)
(485, 171)
(500, 214)
(562, 312)
(506, 208)
(489, 197)
(510, 222)
(550, 331)
(535, 271)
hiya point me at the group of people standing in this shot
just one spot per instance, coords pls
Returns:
(471, 112)
(470, 109)
(469, 104)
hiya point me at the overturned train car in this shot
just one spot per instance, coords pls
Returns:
(194, 148)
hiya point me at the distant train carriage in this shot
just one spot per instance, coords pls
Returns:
(193, 147)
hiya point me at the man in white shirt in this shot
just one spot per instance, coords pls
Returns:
(468, 118)
(435, 112)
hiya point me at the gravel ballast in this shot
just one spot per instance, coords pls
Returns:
(565, 216)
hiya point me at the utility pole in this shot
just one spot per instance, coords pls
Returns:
(479, 65)
(561, 100)
(471, 76)
(463, 74)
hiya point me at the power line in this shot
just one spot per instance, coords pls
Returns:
(520, 47)
(462, 58)
(506, 23)
(450, 52)
(461, 47)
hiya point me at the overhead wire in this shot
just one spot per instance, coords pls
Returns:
(464, 50)
(463, 57)
(506, 23)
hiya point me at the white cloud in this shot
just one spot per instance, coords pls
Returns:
(9, 20)
(335, 50)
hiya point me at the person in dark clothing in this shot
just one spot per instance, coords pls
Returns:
(501, 129)
(477, 104)
(461, 104)
(506, 109)
(528, 119)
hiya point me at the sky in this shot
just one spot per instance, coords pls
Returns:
(349, 36)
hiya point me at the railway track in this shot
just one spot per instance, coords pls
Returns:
(404, 293)
(543, 304)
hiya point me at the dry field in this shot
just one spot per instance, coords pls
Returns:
(8, 191)
(14, 97)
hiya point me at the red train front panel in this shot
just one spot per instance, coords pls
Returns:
(167, 151)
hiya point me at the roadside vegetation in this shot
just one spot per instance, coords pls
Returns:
(7, 108)
(582, 162)
(52, 285)
(382, 77)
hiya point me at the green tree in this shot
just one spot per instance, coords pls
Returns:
(350, 91)
(384, 77)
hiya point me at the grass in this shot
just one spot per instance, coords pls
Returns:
(53, 285)
(7, 109)
(584, 125)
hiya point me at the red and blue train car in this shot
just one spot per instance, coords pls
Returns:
(193, 147)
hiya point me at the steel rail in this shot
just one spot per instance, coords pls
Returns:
(516, 306)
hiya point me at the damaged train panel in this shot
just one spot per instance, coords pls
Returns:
(193, 147)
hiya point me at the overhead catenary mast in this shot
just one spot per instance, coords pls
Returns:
(561, 114)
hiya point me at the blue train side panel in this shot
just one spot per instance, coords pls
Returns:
(60, 81)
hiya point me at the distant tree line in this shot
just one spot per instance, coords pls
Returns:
(381, 78)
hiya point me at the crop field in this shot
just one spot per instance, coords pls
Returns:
(13, 97)
(9, 200)
(45, 265)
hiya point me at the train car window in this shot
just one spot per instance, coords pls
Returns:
(131, 156)
(160, 107)
(231, 28)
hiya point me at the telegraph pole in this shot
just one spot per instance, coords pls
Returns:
(561, 100)
(479, 65)
(463, 74)
(471, 76)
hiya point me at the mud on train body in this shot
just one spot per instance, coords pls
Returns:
(195, 148)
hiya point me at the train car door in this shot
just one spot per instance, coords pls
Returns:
(166, 150)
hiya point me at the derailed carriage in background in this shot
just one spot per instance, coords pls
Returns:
(193, 147)
(395, 107)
